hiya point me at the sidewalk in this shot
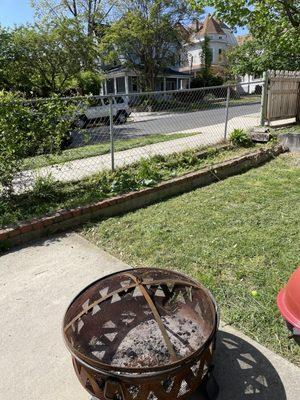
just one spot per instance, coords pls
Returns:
(79, 169)
(37, 284)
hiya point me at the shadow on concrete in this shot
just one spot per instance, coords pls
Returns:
(44, 241)
(243, 372)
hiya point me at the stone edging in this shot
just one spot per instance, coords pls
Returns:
(69, 219)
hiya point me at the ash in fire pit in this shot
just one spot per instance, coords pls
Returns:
(144, 345)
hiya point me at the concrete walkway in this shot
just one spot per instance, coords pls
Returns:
(37, 284)
(82, 168)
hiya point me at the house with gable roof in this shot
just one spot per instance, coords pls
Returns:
(221, 39)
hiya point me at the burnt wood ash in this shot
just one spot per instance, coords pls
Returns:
(144, 345)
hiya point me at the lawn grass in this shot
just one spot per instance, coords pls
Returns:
(236, 236)
(295, 128)
(49, 196)
(98, 149)
(245, 100)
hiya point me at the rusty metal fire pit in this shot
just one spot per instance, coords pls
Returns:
(141, 334)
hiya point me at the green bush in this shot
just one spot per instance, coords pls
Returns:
(30, 128)
(203, 80)
(240, 138)
(90, 82)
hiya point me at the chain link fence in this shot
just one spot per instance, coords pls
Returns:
(107, 132)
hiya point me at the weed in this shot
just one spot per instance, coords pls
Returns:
(239, 137)
(45, 188)
(48, 195)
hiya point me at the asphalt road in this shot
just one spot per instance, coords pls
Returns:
(162, 123)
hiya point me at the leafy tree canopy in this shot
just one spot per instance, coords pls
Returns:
(45, 59)
(274, 26)
(147, 37)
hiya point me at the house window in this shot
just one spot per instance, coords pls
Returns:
(134, 84)
(110, 86)
(220, 37)
(121, 85)
(220, 51)
(171, 84)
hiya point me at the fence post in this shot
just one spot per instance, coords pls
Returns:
(227, 111)
(111, 134)
(264, 99)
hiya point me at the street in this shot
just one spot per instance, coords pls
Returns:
(163, 123)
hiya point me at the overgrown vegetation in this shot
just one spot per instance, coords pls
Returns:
(239, 237)
(38, 128)
(48, 196)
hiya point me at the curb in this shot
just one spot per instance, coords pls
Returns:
(70, 219)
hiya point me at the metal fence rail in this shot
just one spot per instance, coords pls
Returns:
(108, 132)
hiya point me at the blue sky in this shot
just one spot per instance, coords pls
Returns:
(16, 12)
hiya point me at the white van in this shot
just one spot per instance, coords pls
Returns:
(97, 110)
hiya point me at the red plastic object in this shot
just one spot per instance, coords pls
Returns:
(288, 300)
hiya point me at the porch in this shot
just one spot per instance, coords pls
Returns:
(120, 80)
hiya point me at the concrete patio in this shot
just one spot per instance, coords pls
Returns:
(37, 284)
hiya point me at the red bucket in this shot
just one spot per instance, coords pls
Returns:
(288, 302)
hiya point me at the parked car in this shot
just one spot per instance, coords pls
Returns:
(98, 110)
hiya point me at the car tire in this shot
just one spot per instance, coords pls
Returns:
(66, 141)
(82, 122)
(106, 121)
(121, 117)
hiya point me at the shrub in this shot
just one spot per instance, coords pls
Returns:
(29, 128)
(239, 137)
(90, 82)
(203, 80)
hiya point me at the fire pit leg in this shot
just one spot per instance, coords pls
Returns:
(210, 386)
(208, 389)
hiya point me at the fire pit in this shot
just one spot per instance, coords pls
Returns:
(142, 334)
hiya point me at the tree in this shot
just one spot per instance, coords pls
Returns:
(146, 38)
(206, 56)
(46, 60)
(254, 56)
(5, 56)
(274, 26)
(90, 14)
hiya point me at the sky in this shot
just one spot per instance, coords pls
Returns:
(16, 12)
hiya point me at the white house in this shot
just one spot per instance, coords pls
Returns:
(220, 37)
(250, 83)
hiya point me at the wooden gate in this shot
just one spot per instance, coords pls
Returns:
(283, 95)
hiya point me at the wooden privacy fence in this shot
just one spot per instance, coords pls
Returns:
(282, 97)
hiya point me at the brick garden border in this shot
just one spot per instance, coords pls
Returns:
(70, 219)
